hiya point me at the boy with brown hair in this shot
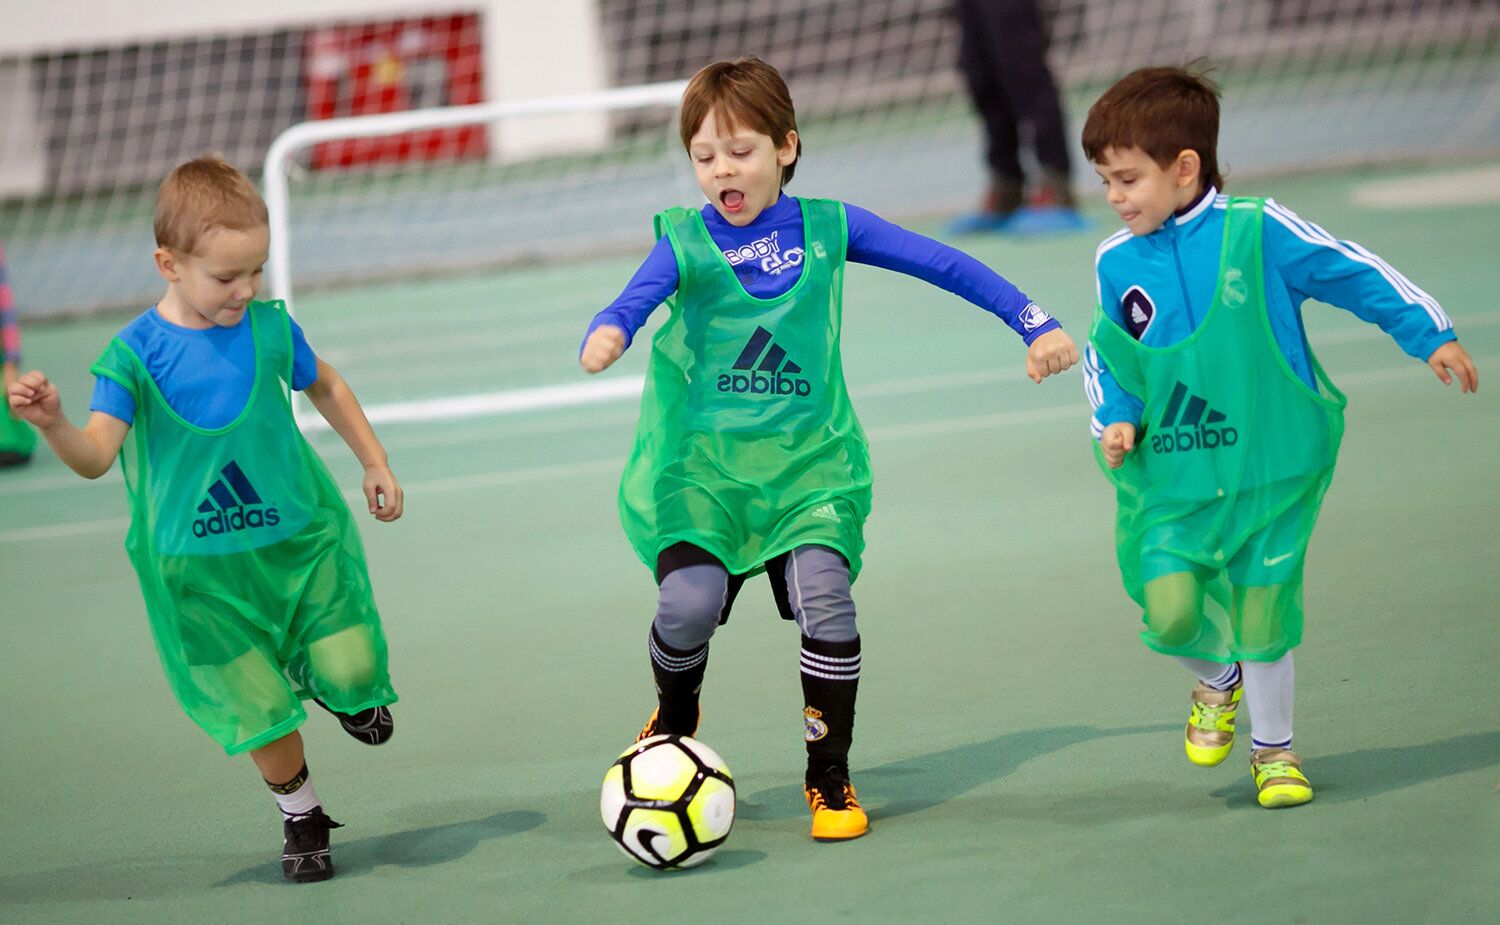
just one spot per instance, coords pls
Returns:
(1213, 418)
(249, 561)
(748, 456)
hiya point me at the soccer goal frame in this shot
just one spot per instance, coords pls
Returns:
(282, 154)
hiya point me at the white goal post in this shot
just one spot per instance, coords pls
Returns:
(282, 156)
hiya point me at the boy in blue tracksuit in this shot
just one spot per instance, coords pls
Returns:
(1213, 417)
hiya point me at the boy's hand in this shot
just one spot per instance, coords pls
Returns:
(34, 400)
(603, 347)
(1050, 354)
(1452, 357)
(381, 486)
(1118, 440)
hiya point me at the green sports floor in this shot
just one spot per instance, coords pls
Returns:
(1018, 749)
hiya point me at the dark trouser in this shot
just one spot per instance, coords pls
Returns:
(1003, 55)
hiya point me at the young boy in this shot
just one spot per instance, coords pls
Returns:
(748, 456)
(250, 563)
(16, 439)
(1215, 422)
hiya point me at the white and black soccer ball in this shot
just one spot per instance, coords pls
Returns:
(668, 801)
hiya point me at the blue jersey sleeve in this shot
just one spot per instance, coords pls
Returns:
(651, 285)
(1111, 403)
(113, 399)
(1319, 266)
(877, 242)
(304, 361)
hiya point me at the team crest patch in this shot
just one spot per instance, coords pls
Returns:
(1139, 311)
(1235, 291)
(1032, 317)
(816, 728)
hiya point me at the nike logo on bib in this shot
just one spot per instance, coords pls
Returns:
(1268, 561)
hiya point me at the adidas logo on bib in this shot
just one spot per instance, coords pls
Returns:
(233, 505)
(774, 374)
(826, 512)
(1185, 427)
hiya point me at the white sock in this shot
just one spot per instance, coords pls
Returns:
(1268, 695)
(1217, 675)
(296, 797)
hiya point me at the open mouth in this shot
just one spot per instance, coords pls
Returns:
(732, 200)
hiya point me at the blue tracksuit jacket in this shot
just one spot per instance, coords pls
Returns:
(1159, 287)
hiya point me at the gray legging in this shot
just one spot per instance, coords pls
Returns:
(817, 582)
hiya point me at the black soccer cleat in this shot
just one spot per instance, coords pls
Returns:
(373, 726)
(304, 853)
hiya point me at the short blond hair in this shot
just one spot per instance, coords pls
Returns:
(201, 195)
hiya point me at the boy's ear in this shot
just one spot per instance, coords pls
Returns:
(166, 265)
(1189, 166)
(787, 153)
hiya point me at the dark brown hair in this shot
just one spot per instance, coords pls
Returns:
(746, 93)
(201, 195)
(1162, 111)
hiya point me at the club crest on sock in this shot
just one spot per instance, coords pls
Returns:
(816, 729)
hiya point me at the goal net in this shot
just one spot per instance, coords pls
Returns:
(85, 134)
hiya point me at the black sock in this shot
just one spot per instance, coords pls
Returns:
(830, 680)
(679, 678)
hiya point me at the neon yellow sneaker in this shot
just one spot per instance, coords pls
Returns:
(1278, 778)
(1210, 727)
(836, 813)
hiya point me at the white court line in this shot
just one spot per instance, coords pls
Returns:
(887, 432)
(57, 483)
(65, 531)
(469, 406)
(1478, 187)
(353, 354)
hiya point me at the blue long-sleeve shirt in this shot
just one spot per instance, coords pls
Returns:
(767, 258)
(205, 374)
(1159, 287)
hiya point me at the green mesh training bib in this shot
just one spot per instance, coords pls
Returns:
(747, 444)
(251, 566)
(1233, 448)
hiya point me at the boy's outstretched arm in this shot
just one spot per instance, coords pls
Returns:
(333, 398)
(1451, 360)
(877, 242)
(1342, 273)
(90, 451)
(611, 331)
